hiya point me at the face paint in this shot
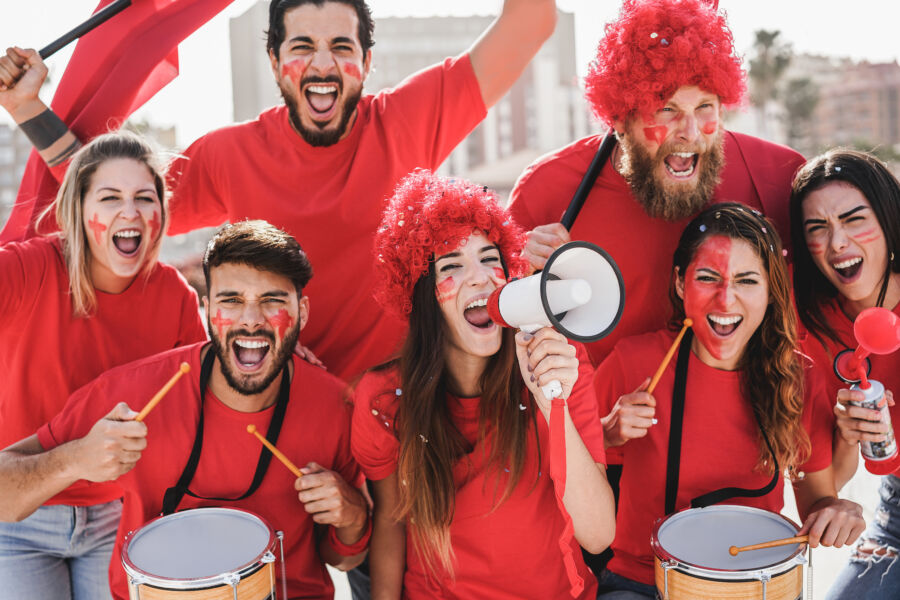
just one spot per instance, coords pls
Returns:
(352, 70)
(445, 290)
(293, 71)
(815, 248)
(499, 274)
(220, 323)
(656, 133)
(704, 297)
(282, 322)
(154, 226)
(868, 236)
(98, 228)
(710, 127)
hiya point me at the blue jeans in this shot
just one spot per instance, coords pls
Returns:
(871, 572)
(60, 552)
(615, 587)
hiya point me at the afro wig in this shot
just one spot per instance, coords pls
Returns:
(429, 216)
(656, 47)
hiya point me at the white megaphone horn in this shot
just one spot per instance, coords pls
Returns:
(580, 293)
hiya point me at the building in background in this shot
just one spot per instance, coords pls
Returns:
(544, 110)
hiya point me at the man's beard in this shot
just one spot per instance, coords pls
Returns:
(315, 136)
(666, 199)
(238, 381)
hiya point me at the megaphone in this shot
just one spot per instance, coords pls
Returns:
(580, 293)
(877, 331)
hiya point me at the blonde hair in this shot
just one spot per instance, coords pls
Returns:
(69, 204)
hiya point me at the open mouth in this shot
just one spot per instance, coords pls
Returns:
(681, 165)
(723, 326)
(322, 100)
(127, 241)
(848, 269)
(476, 314)
(250, 354)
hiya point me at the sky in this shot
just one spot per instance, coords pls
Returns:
(862, 30)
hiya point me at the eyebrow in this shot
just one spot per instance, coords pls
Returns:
(841, 216)
(457, 253)
(269, 294)
(117, 190)
(308, 40)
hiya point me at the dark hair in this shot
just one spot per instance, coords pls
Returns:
(771, 373)
(874, 181)
(430, 444)
(275, 34)
(259, 245)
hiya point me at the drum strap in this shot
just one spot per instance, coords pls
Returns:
(673, 459)
(173, 495)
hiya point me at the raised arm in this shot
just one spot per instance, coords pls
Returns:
(29, 476)
(501, 53)
(22, 72)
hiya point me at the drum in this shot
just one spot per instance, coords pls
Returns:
(201, 554)
(692, 558)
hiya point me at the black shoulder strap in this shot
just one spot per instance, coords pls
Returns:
(590, 177)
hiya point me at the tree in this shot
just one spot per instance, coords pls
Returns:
(766, 69)
(800, 97)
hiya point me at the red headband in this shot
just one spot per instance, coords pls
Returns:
(430, 215)
(656, 47)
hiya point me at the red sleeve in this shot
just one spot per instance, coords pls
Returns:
(609, 382)
(582, 405)
(85, 406)
(818, 418)
(20, 276)
(194, 202)
(432, 110)
(373, 442)
(344, 463)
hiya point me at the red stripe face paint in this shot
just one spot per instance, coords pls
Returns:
(868, 236)
(656, 134)
(154, 226)
(282, 322)
(446, 290)
(709, 127)
(98, 228)
(703, 297)
(220, 323)
(352, 70)
(816, 248)
(293, 70)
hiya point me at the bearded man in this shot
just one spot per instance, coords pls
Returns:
(662, 75)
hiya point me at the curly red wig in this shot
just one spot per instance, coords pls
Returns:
(430, 216)
(656, 47)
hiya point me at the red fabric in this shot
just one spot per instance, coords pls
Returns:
(641, 246)
(720, 443)
(316, 428)
(47, 354)
(331, 198)
(885, 368)
(114, 70)
(558, 474)
(494, 546)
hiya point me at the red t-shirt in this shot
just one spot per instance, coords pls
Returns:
(496, 548)
(47, 353)
(316, 428)
(756, 173)
(720, 443)
(331, 198)
(885, 367)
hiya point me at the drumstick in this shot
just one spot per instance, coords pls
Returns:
(668, 356)
(800, 539)
(184, 368)
(284, 459)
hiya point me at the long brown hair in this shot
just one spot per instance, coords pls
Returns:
(430, 444)
(771, 372)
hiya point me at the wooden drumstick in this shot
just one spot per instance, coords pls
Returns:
(284, 459)
(668, 356)
(184, 368)
(800, 539)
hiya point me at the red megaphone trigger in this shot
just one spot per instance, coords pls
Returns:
(493, 307)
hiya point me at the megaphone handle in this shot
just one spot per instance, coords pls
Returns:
(554, 388)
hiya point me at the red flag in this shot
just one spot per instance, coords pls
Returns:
(114, 70)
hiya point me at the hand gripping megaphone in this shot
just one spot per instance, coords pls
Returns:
(580, 293)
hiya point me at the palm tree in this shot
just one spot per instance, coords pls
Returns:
(772, 58)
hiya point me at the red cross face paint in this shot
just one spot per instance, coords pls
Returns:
(846, 242)
(726, 293)
(709, 127)
(351, 70)
(221, 323)
(154, 224)
(98, 228)
(293, 70)
(656, 134)
(282, 322)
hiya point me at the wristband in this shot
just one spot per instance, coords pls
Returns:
(351, 549)
(44, 129)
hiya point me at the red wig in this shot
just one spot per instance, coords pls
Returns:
(656, 47)
(429, 216)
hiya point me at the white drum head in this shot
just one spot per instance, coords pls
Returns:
(198, 543)
(701, 537)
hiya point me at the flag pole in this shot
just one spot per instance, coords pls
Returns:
(98, 18)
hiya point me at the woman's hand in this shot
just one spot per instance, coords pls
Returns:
(858, 424)
(546, 356)
(833, 522)
(631, 417)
